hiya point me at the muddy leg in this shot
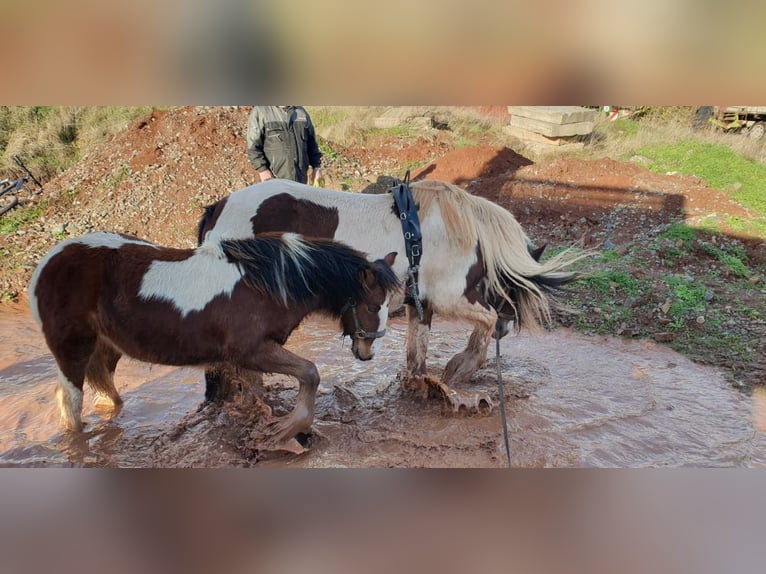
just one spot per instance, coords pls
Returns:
(72, 356)
(273, 358)
(460, 367)
(218, 384)
(418, 332)
(226, 383)
(69, 400)
(100, 374)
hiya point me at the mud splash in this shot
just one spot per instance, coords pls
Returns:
(573, 401)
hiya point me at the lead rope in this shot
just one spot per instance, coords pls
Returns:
(502, 394)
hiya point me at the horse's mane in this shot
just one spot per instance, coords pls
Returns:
(294, 269)
(472, 220)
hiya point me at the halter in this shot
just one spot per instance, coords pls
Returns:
(360, 333)
(413, 240)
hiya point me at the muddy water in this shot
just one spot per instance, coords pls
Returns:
(573, 400)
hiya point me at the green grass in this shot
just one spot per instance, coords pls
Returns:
(733, 258)
(614, 280)
(680, 232)
(19, 217)
(717, 164)
(688, 297)
(624, 127)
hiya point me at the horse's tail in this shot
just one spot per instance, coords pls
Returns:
(510, 265)
(533, 306)
(505, 251)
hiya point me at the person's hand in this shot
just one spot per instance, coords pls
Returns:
(317, 179)
(265, 174)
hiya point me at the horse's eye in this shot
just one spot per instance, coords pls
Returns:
(373, 308)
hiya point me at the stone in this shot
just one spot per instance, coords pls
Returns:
(554, 114)
(530, 136)
(552, 129)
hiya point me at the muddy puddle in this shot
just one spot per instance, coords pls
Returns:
(572, 401)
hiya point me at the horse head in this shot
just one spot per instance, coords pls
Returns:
(364, 320)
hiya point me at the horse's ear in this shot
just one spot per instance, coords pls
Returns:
(390, 258)
(537, 253)
(367, 276)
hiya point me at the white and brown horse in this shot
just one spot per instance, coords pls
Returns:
(105, 295)
(476, 259)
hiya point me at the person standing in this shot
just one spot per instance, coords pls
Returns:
(281, 142)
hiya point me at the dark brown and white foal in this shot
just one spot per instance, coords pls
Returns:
(105, 295)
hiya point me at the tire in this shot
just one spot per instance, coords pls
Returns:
(757, 131)
(702, 117)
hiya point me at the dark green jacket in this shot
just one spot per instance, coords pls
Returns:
(282, 139)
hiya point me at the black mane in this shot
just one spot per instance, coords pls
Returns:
(293, 269)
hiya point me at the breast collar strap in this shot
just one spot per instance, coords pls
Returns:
(413, 240)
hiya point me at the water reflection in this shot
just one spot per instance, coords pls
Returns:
(573, 401)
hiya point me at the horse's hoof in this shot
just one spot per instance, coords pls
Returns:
(415, 384)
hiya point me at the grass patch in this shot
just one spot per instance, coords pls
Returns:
(742, 178)
(688, 297)
(53, 138)
(730, 256)
(624, 127)
(613, 281)
(19, 217)
(680, 232)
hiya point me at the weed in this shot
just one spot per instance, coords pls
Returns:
(612, 281)
(12, 222)
(680, 232)
(687, 297)
(609, 256)
(326, 150)
(730, 256)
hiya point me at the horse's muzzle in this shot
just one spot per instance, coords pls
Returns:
(362, 356)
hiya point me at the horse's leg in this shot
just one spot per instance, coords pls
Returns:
(418, 332)
(218, 384)
(72, 355)
(226, 383)
(69, 400)
(100, 374)
(273, 358)
(460, 367)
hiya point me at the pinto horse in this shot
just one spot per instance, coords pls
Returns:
(104, 295)
(476, 260)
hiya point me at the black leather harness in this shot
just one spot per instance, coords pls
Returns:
(407, 210)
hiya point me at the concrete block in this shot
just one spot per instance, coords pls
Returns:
(552, 130)
(530, 136)
(554, 114)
